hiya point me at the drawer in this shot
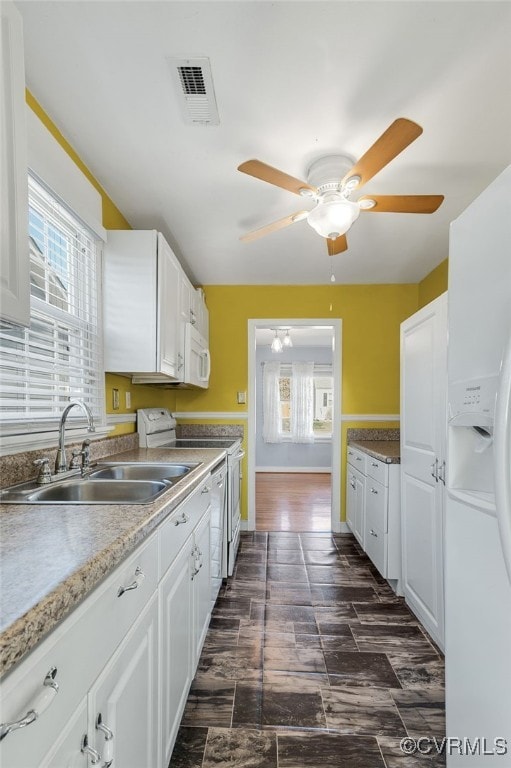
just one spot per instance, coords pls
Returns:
(377, 469)
(376, 505)
(79, 649)
(357, 459)
(376, 544)
(175, 530)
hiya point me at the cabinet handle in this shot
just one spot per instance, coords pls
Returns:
(350, 453)
(353, 485)
(180, 361)
(205, 489)
(139, 578)
(373, 533)
(373, 490)
(219, 483)
(94, 755)
(441, 472)
(358, 458)
(108, 751)
(36, 707)
(434, 470)
(183, 519)
(374, 464)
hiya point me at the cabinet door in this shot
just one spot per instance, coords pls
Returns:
(423, 427)
(351, 489)
(202, 585)
(169, 273)
(359, 511)
(176, 671)
(125, 697)
(66, 752)
(14, 252)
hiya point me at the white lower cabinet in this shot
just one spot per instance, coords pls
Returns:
(111, 682)
(373, 511)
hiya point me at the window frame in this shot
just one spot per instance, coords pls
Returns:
(19, 434)
(321, 370)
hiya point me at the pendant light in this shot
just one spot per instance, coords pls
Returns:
(276, 344)
(287, 340)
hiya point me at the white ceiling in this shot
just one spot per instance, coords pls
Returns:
(301, 335)
(293, 81)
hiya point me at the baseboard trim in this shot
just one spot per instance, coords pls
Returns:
(305, 470)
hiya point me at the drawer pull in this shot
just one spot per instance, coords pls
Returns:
(108, 751)
(373, 490)
(205, 489)
(352, 483)
(139, 578)
(358, 458)
(374, 464)
(373, 533)
(183, 519)
(94, 755)
(37, 706)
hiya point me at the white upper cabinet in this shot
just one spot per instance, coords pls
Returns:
(14, 253)
(141, 306)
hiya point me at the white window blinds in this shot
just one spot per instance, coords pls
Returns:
(58, 357)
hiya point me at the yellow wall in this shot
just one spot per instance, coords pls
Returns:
(371, 315)
(434, 284)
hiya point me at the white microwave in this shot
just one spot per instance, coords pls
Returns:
(197, 358)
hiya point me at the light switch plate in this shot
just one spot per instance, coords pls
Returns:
(242, 398)
(128, 399)
(115, 399)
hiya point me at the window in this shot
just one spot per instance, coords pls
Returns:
(322, 398)
(297, 402)
(59, 356)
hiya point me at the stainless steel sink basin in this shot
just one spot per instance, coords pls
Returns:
(108, 483)
(142, 471)
(100, 492)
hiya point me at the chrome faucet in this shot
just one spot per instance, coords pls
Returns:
(61, 461)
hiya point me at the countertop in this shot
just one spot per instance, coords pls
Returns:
(388, 451)
(52, 556)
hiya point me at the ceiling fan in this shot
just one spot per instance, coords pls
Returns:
(331, 180)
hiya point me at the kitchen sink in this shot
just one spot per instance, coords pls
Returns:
(141, 471)
(100, 492)
(108, 483)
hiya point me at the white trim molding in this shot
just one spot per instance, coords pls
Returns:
(370, 417)
(243, 415)
(307, 470)
(121, 418)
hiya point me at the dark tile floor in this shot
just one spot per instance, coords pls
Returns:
(311, 660)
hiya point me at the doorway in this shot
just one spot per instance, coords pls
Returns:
(296, 485)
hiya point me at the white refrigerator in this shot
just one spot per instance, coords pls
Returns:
(478, 511)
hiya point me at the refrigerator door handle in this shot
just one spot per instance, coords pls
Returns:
(502, 456)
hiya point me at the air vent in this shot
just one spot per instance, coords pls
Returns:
(196, 94)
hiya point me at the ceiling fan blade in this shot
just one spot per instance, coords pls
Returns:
(338, 245)
(276, 225)
(396, 138)
(403, 203)
(273, 176)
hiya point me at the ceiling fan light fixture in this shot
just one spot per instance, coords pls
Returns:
(366, 204)
(352, 183)
(333, 217)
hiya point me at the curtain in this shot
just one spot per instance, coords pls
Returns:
(302, 403)
(271, 403)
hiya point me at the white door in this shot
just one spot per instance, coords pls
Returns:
(168, 309)
(125, 697)
(202, 585)
(423, 451)
(176, 671)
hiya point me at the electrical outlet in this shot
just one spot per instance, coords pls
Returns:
(242, 398)
(115, 399)
(128, 399)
